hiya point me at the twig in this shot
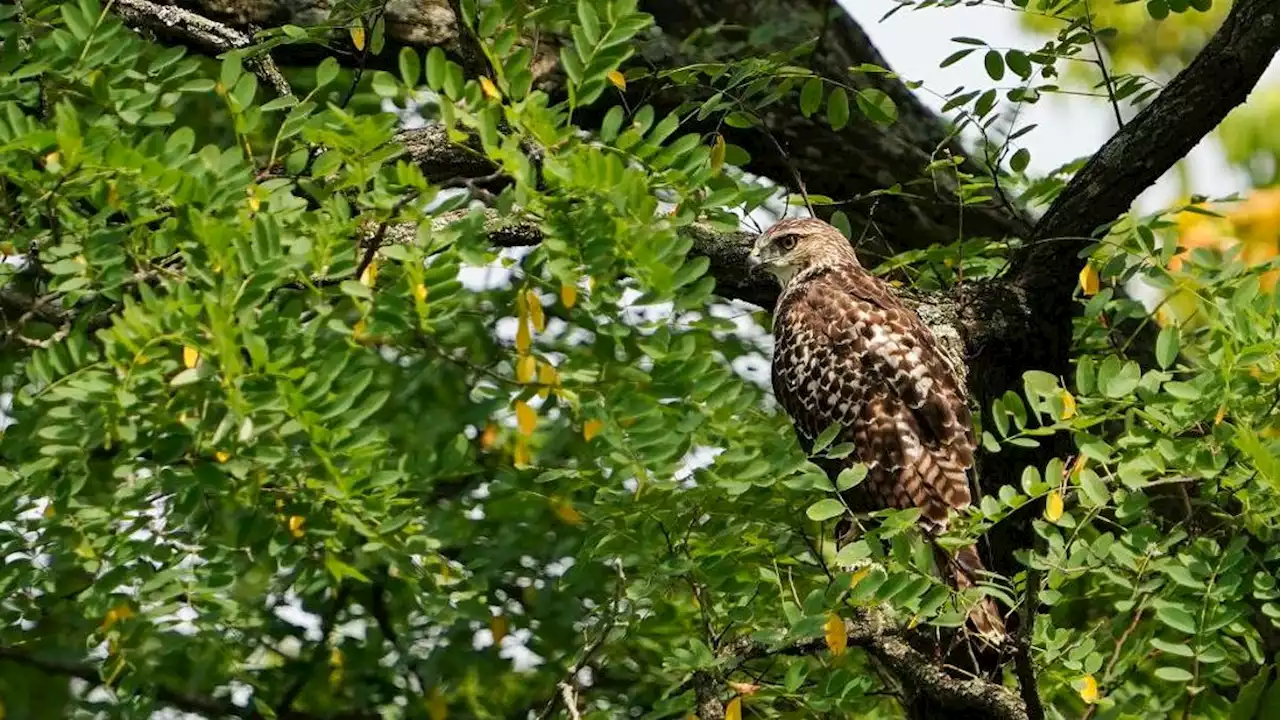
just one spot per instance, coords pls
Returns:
(1102, 64)
(570, 697)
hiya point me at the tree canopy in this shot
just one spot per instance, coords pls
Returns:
(401, 360)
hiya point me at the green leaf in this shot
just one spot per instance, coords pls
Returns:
(1094, 490)
(1264, 460)
(853, 552)
(1020, 160)
(1177, 618)
(838, 109)
(994, 64)
(410, 67)
(1019, 63)
(326, 71)
(1173, 674)
(956, 57)
(186, 377)
(1246, 705)
(826, 437)
(825, 509)
(589, 21)
(230, 73)
(1167, 346)
(435, 68)
(340, 570)
(877, 106)
(811, 96)
(851, 476)
(384, 84)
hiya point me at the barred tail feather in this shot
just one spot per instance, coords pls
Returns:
(985, 616)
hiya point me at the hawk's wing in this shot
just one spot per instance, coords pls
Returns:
(848, 351)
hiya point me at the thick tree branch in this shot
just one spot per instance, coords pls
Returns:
(1189, 108)
(881, 637)
(200, 33)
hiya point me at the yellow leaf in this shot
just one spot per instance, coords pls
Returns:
(837, 641)
(566, 512)
(717, 154)
(490, 90)
(490, 434)
(744, 688)
(568, 295)
(1089, 689)
(190, 356)
(523, 339)
(526, 367)
(1089, 279)
(254, 203)
(592, 428)
(521, 456)
(1222, 413)
(295, 525)
(420, 292)
(436, 706)
(49, 511)
(1053, 507)
(115, 615)
(52, 159)
(222, 456)
(1068, 405)
(548, 378)
(858, 576)
(535, 312)
(357, 37)
(526, 418)
(733, 711)
(618, 79)
(358, 331)
(7, 249)
(498, 626)
(370, 274)
(336, 658)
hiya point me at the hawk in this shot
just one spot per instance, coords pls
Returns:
(847, 350)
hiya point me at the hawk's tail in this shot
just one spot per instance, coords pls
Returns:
(985, 617)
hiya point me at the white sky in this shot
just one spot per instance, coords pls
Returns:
(914, 42)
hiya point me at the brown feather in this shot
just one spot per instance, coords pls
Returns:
(848, 350)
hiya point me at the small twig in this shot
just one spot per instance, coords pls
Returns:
(570, 697)
(1102, 64)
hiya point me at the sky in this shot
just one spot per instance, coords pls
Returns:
(914, 42)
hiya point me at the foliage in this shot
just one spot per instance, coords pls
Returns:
(288, 430)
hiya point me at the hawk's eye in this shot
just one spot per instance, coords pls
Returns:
(787, 242)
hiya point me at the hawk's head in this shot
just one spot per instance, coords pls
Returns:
(796, 244)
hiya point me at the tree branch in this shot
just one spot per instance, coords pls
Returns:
(875, 632)
(1189, 108)
(201, 33)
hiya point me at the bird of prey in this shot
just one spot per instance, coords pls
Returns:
(848, 351)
